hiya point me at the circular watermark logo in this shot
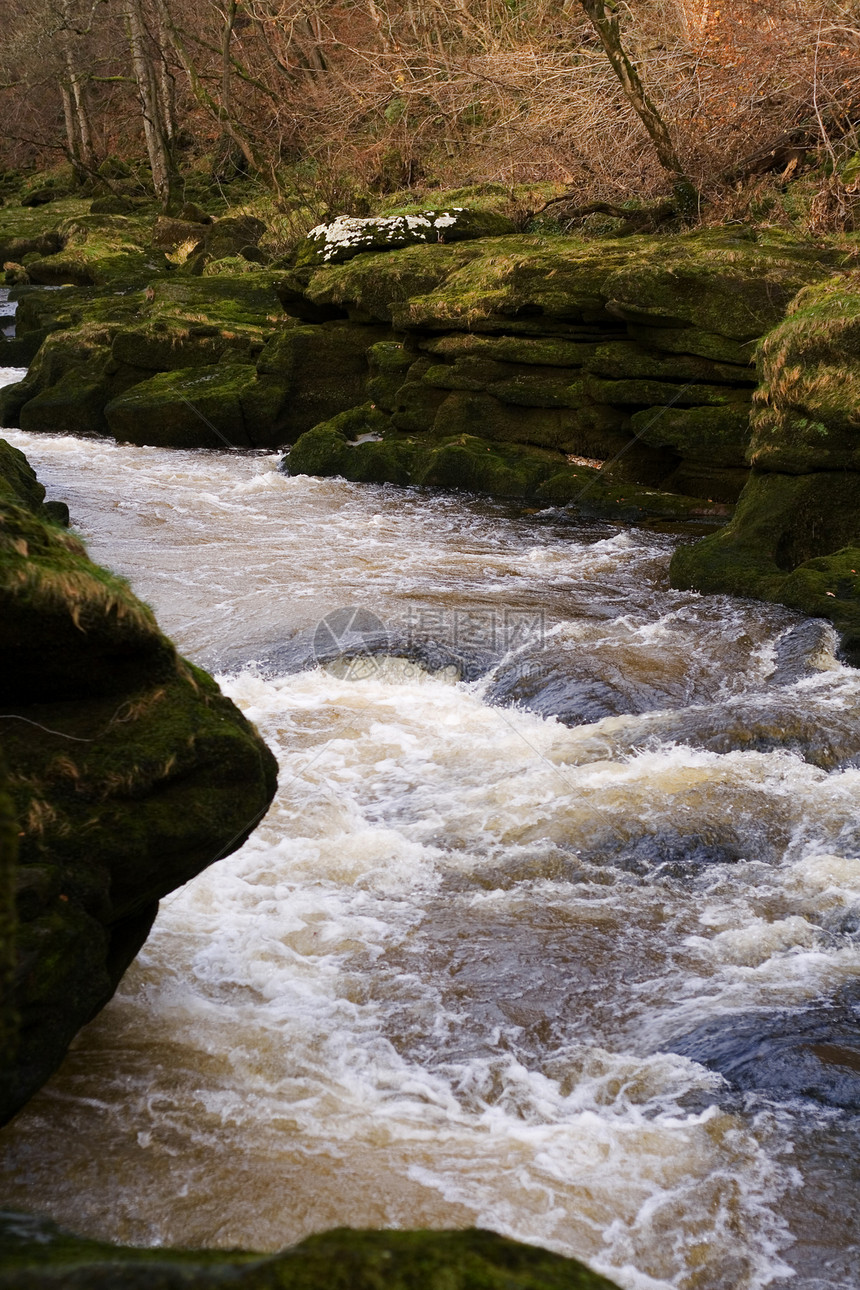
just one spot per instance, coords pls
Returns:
(351, 642)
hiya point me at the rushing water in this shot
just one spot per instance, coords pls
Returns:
(570, 836)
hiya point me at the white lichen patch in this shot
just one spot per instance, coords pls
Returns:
(349, 232)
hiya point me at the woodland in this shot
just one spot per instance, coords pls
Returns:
(330, 105)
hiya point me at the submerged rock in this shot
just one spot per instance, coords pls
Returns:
(128, 772)
(40, 1256)
(813, 1055)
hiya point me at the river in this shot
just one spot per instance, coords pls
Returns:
(563, 836)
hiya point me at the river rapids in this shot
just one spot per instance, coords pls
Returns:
(552, 927)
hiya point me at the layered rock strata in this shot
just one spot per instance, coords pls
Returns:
(795, 536)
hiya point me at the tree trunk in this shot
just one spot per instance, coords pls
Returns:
(199, 90)
(604, 19)
(75, 107)
(158, 147)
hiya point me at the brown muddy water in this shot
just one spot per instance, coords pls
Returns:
(551, 928)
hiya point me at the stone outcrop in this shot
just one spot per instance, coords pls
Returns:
(615, 377)
(39, 1256)
(795, 537)
(127, 771)
(635, 352)
(349, 236)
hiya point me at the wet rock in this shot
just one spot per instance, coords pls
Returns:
(362, 445)
(127, 769)
(40, 1256)
(813, 1055)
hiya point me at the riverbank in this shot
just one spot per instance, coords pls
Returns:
(613, 377)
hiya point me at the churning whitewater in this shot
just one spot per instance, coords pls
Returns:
(552, 927)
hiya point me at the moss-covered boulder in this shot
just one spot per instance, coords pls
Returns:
(361, 445)
(794, 535)
(37, 1255)
(808, 405)
(211, 406)
(348, 236)
(102, 250)
(128, 772)
(789, 541)
(714, 436)
(8, 857)
(95, 347)
(712, 283)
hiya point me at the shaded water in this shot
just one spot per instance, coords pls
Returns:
(472, 966)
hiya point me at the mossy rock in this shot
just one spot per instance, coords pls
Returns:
(169, 233)
(695, 341)
(715, 283)
(69, 382)
(808, 405)
(127, 768)
(230, 265)
(9, 1021)
(704, 479)
(626, 360)
(644, 393)
(246, 301)
(717, 436)
(591, 430)
(543, 351)
(388, 362)
(97, 345)
(40, 1256)
(469, 463)
(783, 527)
(164, 346)
(215, 406)
(346, 237)
(101, 250)
(19, 485)
(112, 205)
(324, 368)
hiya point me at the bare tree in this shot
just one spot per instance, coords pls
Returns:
(156, 130)
(603, 15)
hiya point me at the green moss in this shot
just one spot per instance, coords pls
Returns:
(128, 772)
(544, 351)
(8, 950)
(324, 368)
(163, 346)
(782, 522)
(39, 1256)
(808, 406)
(213, 406)
(648, 393)
(469, 463)
(694, 341)
(18, 483)
(388, 362)
(627, 360)
(717, 436)
(716, 283)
